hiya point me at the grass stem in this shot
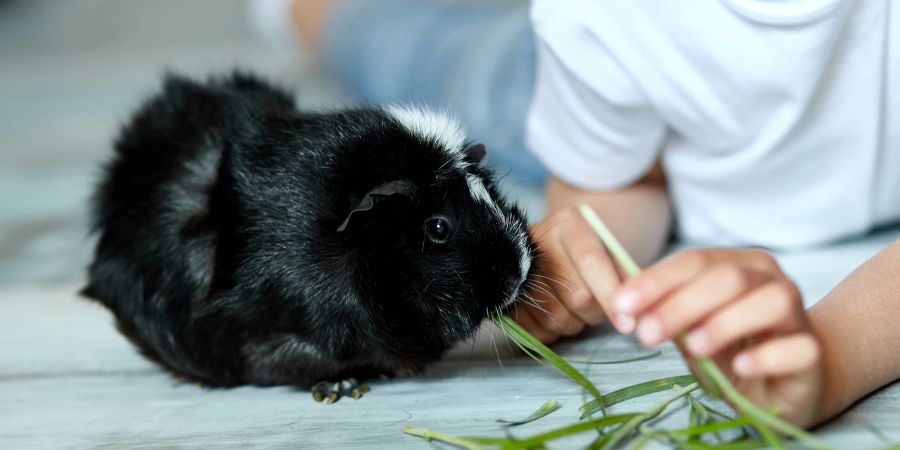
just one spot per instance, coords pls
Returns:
(430, 435)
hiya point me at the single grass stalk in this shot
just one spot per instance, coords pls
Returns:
(616, 361)
(759, 418)
(714, 427)
(642, 442)
(649, 434)
(634, 391)
(546, 409)
(570, 430)
(698, 415)
(511, 443)
(430, 435)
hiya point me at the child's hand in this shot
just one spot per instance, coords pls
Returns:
(737, 307)
(577, 277)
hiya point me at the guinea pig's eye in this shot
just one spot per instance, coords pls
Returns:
(437, 229)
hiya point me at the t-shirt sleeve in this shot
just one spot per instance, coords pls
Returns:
(589, 122)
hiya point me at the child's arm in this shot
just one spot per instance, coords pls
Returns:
(737, 307)
(577, 276)
(858, 324)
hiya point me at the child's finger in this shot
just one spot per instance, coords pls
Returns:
(695, 300)
(581, 302)
(658, 280)
(594, 266)
(560, 281)
(777, 357)
(773, 306)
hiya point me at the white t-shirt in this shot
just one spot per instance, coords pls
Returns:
(777, 121)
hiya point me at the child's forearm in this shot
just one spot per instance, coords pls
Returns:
(857, 326)
(309, 17)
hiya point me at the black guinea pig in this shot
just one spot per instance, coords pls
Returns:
(244, 241)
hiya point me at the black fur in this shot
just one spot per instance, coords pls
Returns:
(219, 251)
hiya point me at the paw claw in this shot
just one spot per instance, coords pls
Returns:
(332, 391)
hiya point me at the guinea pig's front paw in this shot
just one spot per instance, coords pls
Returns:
(334, 390)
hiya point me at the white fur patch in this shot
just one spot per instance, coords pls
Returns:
(524, 266)
(481, 194)
(430, 125)
(525, 257)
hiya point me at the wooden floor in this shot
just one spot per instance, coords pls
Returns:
(69, 73)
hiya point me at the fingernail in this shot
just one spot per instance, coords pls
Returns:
(626, 300)
(624, 323)
(743, 364)
(649, 330)
(698, 342)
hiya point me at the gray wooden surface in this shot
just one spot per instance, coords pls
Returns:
(69, 72)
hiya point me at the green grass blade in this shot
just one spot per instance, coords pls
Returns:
(701, 414)
(771, 439)
(641, 443)
(715, 411)
(710, 427)
(430, 435)
(546, 409)
(569, 430)
(634, 391)
(524, 339)
(617, 361)
(536, 441)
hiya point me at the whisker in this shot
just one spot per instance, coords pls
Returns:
(496, 351)
(538, 238)
(542, 287)
(546, 292)
(532, 302)
(565, 285)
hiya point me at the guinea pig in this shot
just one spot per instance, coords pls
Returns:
(241, 241)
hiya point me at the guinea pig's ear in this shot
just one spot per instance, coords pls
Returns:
(474, 153)
(403, 187)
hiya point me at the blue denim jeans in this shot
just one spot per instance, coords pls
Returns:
(475, 59)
